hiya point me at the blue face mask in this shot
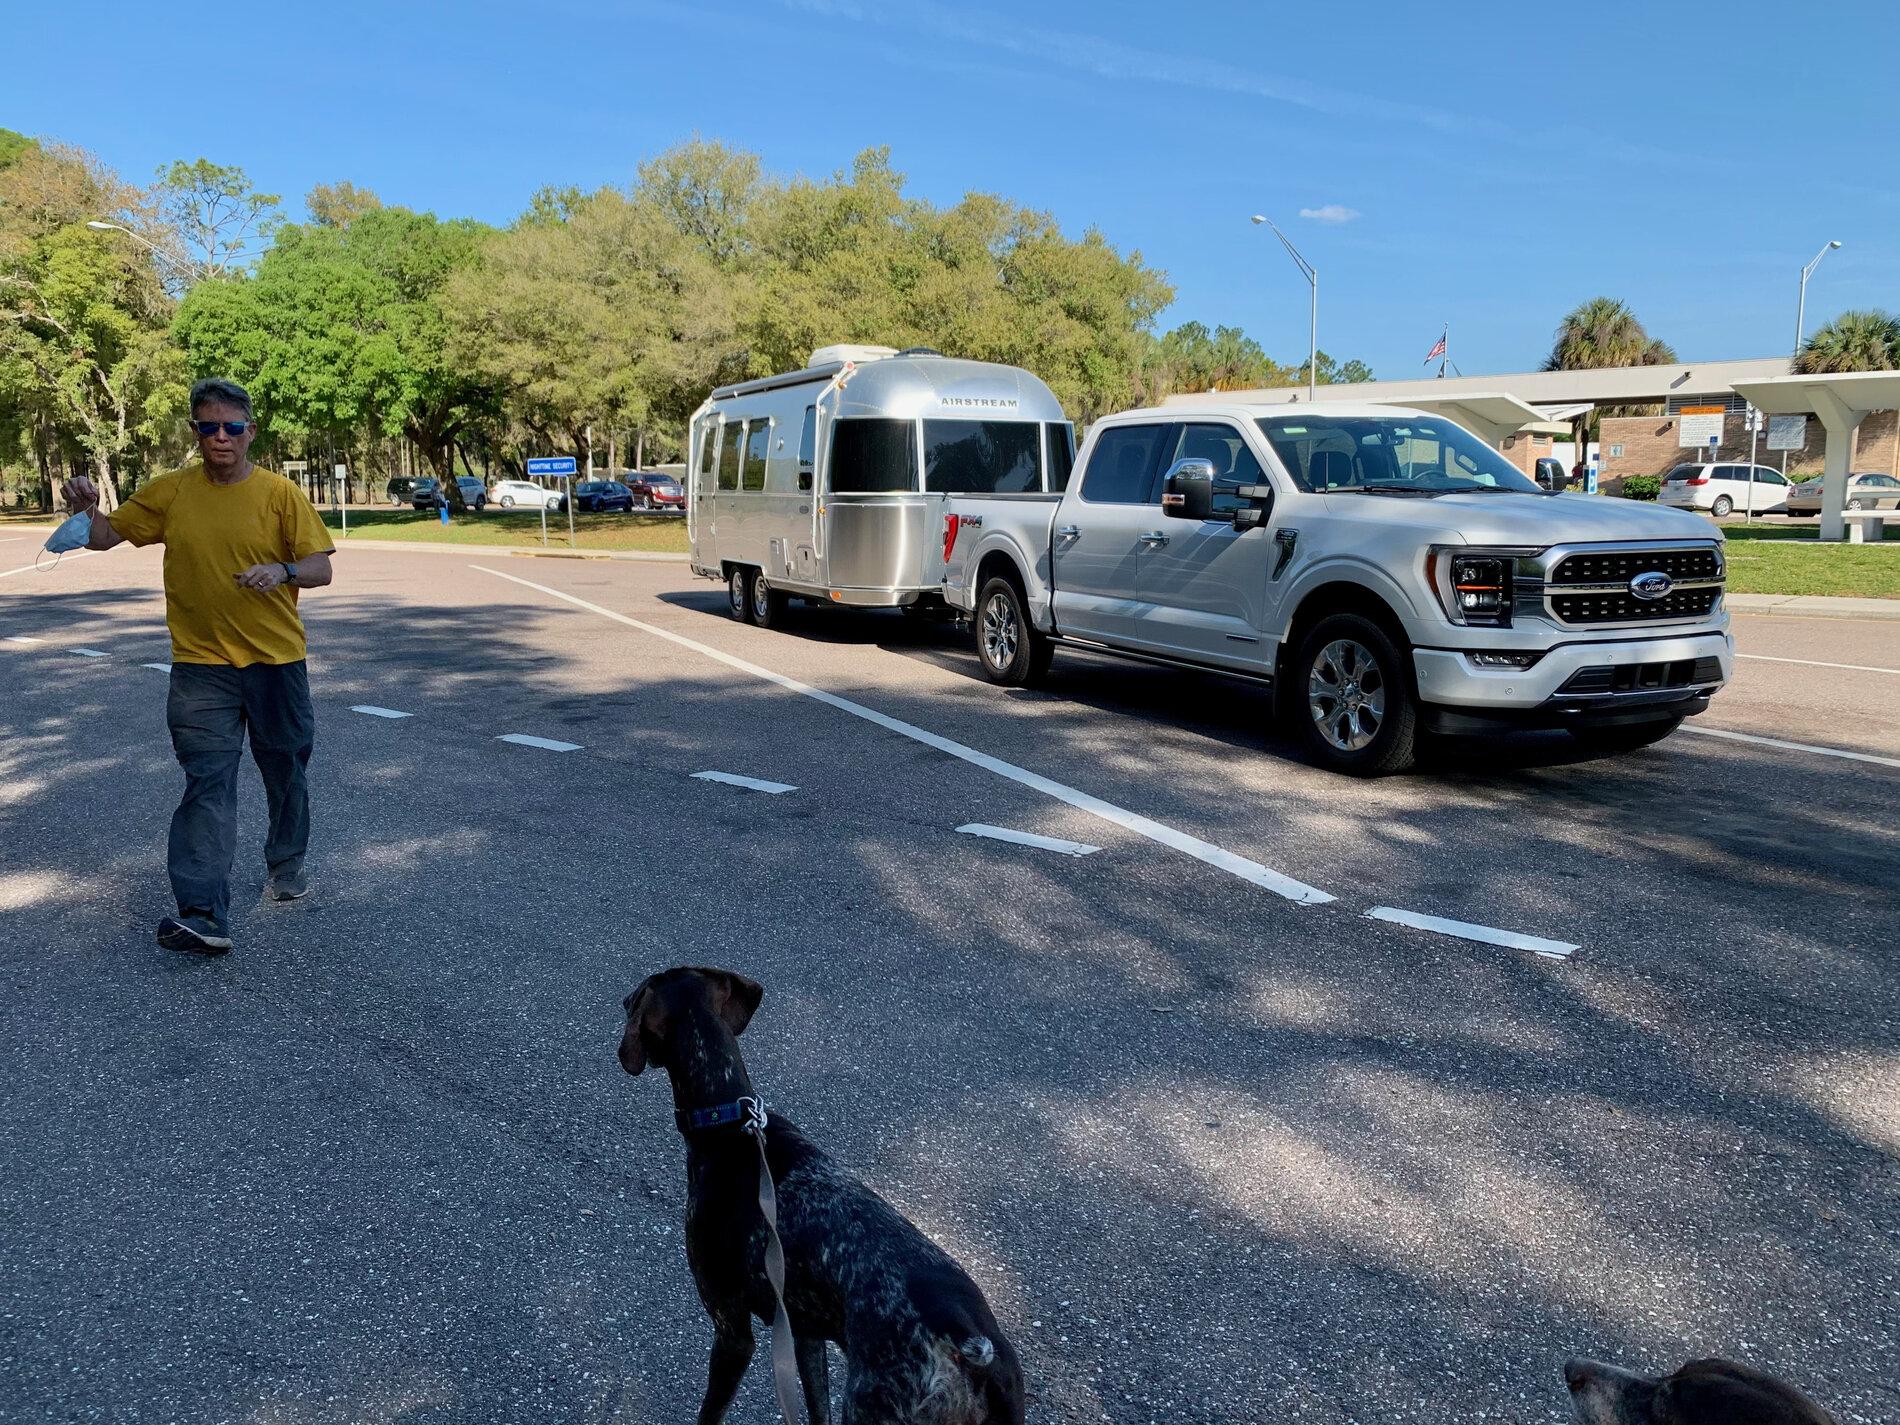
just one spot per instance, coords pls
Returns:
(73, 534)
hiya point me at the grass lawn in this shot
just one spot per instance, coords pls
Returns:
(649, 533)
(1789, 559)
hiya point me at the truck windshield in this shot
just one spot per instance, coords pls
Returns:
(1410, 454)
(872, 456)
(982, 457)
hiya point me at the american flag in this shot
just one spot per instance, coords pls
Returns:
(1438, 350)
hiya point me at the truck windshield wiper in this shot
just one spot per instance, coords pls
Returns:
(1388, 488)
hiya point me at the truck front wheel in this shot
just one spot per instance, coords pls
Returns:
(1012, 652)
(1352, 700)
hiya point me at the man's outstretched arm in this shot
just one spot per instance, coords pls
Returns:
(80, 494)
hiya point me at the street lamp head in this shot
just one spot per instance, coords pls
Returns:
(100, 227)
(1833, 244)
(1259, 218)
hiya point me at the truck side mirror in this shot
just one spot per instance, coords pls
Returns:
(1189, 493)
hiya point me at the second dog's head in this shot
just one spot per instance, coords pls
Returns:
(687, 1018)
(1708, 1392)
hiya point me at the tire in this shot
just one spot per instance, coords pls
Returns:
(739, 593)
(1626, 737)
(1012, 652)
(1723, 504)
(1855, 505)
(1352, 697)
(767, 604)
(507, 502)
(646, 502)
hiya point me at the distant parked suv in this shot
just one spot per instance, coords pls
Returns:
(1723, 489)
(654, 491)
(399, 489)
(474, 494)
(599, 495)
(509, 493)
(1864, 492)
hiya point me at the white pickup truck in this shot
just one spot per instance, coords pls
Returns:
(1384, 569)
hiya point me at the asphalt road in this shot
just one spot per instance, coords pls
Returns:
(1215, 1154)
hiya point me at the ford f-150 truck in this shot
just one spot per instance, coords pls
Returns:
(1384, 569)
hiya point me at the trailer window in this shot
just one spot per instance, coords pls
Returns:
(982, 457)
(807, 447)
(873, 456)
(730, 435)
(1061, 461)
(708, 451)
(758, 439)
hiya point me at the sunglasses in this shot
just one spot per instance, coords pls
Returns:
(231, 428)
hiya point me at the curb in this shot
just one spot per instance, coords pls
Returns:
(1814, 606)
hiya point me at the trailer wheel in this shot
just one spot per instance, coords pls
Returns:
(738, 593)
(1010, 649)
(768, 604)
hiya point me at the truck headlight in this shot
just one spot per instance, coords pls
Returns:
(1475, 586)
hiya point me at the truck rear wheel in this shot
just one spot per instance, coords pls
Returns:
(1352, 699)
(1010, 649)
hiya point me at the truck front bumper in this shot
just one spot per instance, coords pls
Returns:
(1575, 684)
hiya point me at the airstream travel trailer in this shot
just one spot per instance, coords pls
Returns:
(830, 483)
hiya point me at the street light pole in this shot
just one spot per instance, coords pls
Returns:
(1312, 331)
(1801, 311)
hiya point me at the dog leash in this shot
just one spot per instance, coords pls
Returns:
(784, 1357)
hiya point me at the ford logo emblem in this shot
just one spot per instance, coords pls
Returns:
(1653, 585)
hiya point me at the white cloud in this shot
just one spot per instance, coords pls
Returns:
(1331, 213)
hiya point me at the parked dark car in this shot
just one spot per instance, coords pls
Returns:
(399, 489)
(599, 495)
(423, 494)
(654, 491)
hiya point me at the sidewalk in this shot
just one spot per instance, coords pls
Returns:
(1813, 606)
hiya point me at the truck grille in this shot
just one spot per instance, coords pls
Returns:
(1592, 586)
(1619, 566)
(1643, 677)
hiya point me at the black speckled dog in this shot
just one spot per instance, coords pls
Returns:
(1709, 1392)
(920, 1344)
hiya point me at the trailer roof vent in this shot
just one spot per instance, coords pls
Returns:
(848, 351)
(920, 351)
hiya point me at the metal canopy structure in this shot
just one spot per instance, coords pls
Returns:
(1842, 400)
(1494, 416)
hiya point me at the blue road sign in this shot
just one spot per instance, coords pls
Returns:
(551, 465)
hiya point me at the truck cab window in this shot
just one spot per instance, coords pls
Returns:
(1121, 467)
(1234, 464)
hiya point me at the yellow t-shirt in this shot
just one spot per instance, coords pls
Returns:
(212, 533)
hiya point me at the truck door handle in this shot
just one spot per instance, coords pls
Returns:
(1069, 531)
(1154, 537)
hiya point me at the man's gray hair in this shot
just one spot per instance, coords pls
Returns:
(224, 393)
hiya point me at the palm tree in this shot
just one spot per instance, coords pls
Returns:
(1853, 341)
(1604, 332)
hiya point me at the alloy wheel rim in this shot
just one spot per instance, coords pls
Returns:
(735, 593)
(1000, 632)
(1345, 693)
(761, 598)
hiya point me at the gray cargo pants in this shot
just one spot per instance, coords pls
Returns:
(209, 708)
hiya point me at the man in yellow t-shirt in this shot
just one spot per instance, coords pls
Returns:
(239, 543)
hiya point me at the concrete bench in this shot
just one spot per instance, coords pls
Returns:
(1867, 526)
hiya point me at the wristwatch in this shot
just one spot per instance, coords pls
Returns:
(290, 573)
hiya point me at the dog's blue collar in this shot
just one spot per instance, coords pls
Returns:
(746, 1113)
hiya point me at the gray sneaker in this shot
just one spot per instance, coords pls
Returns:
(194, 933)
(288, 884)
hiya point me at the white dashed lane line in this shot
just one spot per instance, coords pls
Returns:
(87, 652)
(22, 638)
(371, 710)
(1790, 746)
(1815, 663)
(546, 744)
(1215, 856)
(157, 667)
(1029, 838)
(751, 784)
(49, 568)
(1464, 930)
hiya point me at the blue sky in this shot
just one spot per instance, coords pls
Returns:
(1486, 164)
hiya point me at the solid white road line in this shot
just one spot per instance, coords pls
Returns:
(1029, 838)
(547, 743)
(375, 711)
(750, 783)
(1251, 871)
(1791, 746)
(29, 568)
(161, 667)
(1813, 663)
(87, 652)
(1554, 949)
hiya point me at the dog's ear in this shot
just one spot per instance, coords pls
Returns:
(735, 997)
(643, 1019)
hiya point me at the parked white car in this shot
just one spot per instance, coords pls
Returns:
(509, 493)
(1723, 489)
(1864, 492)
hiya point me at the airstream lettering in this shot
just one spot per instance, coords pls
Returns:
(831, 483)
